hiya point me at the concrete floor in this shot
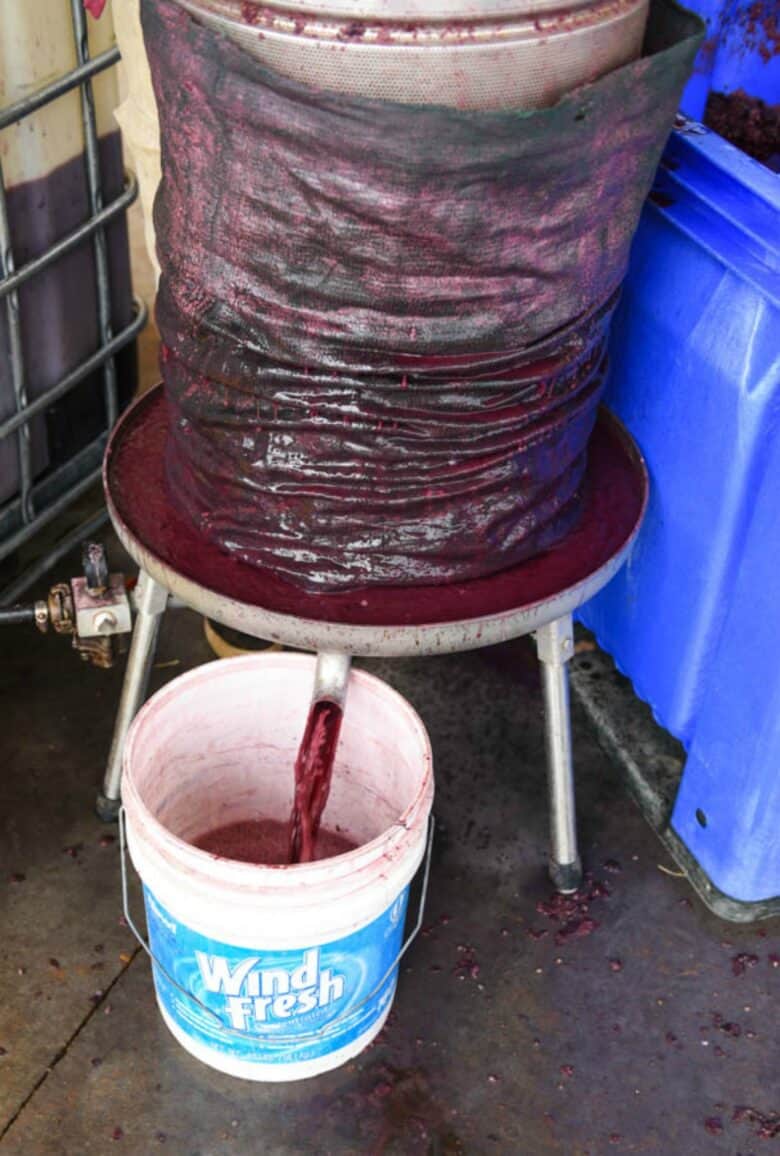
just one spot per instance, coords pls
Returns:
(508, 1035)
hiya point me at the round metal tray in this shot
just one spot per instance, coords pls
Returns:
(375, 621)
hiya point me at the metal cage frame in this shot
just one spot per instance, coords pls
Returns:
(40, 502)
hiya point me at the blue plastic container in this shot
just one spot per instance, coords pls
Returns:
(694, 618)
(738, 53)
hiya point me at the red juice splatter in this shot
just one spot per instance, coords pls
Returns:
(576, 929)
(571, 911)
(766, 1125)
(313, 771)
(466, 966)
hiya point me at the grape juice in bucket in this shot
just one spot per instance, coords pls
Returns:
(274, 972)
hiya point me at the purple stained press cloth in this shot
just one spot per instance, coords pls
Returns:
(384, 325)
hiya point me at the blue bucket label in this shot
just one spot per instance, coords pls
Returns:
(276, 1007)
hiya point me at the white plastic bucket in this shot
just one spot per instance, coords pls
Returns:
(273, 973)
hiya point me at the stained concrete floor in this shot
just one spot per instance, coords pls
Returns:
(509, 1035)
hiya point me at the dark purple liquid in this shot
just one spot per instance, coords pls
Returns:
(59, 327)
(313, 771)
(267, 841)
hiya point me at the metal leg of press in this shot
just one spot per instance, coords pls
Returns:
(150, 603)
(555, 646)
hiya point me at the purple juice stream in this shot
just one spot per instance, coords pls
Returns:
(313, 772)
(274, 842)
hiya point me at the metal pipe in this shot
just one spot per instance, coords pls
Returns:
(331, 677)
(150, 602)
(100, 245)
(65, 83)
(52, 484)
(17, 360)
(14, 541)
(21, 512)
(555, 646)
(79, 373)
(72, 240)
(560, 768)
(17, 615)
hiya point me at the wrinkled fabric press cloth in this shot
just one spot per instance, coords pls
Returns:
(384, 326)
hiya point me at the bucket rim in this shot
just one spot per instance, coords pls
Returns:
(388, 844)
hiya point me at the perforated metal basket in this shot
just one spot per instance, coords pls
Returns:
(471, 54)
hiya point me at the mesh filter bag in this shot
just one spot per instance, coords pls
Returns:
(383, 324)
